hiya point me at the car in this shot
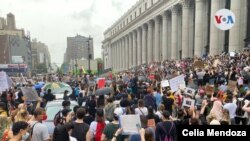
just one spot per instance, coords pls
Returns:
(52, 108)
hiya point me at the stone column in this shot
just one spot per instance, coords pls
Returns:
(139, 48)
(126, 52)
(144, 44)
(130, 51)
(174, 38)
(123, 53)
(115, 53)
(120, 54)
(186, 17)
(164, 36)
(150, 42)
(198, 38)
(236, 42)
(157, 54)
(216, 35)
(134, 49)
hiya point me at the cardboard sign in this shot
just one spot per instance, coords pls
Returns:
(176, 82)
(130, 124)
(164, 83)
(189, 91)
(30, 93)
(188, 102)
(231, 85)
(199, 64)
(209, 89)
(101, 83)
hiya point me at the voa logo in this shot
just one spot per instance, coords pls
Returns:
(224, 19)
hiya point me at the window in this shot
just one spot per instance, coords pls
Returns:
(139, 10)
(135, 14)
(130, 17)
(145, 6)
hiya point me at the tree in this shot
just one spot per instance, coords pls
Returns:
(41, 68)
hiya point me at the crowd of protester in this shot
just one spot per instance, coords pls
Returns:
(135, 92)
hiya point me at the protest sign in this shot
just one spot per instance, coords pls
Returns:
(176, 82)
(232, 54)
(101, 83)
(164, 83)
(216, 63)
(130, 124)
(231, 85)
(189, 91)
(151, 76)
(4, 81)
(240, 81)
(199, 64)
(30, 93)
(209, 89)
(188, 102)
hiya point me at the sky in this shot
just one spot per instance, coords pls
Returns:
(52, 21)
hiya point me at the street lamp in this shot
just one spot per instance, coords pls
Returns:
(89, 54)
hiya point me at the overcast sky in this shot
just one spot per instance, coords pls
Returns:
(52, 21)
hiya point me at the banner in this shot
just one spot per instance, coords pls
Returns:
(176, 82)
(30, 93)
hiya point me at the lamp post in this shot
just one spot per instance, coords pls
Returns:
(89, 55)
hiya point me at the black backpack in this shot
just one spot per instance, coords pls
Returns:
(58, 118)
(239, 111)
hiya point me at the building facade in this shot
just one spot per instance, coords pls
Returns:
(78, 47)
(156, 30)
(40, 55)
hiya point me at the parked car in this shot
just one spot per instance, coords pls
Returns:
(52, 108)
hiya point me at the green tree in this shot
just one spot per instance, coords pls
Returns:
(41, 68)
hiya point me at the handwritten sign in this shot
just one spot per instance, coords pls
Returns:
(199, 64)
(209, 89)
(176, 82)
(130, 124)
(164, 83)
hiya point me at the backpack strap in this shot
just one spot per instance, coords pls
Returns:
(141, 111)
(161, 125)
(32, 128)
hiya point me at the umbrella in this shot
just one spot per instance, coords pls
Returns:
(104, 91)
(38, 86)
(56, 86)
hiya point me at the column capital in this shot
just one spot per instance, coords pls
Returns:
(187, 3)
(176, 9)
(150, 23)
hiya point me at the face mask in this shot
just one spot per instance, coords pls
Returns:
(26, 136)
(44, 117)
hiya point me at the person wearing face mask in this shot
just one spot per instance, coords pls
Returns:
(39, 131)
(20, 131)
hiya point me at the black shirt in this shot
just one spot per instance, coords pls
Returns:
(79, 131)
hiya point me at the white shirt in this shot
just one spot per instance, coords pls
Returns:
(72, 138)
(141, 111)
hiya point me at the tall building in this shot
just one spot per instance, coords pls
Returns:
(40, 55)
(156, 30)
(78, 47)
(11, 23)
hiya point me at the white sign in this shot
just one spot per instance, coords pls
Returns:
(3, 81)
(224, 19)
(189, 91)
(164, 83)
(188, 102)
(232, 54)
(17, 59)
(130, 124)
(176, 82)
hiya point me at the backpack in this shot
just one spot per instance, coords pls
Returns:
(240, 104)
(58, 118)
(99, 128)
(167, 137)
